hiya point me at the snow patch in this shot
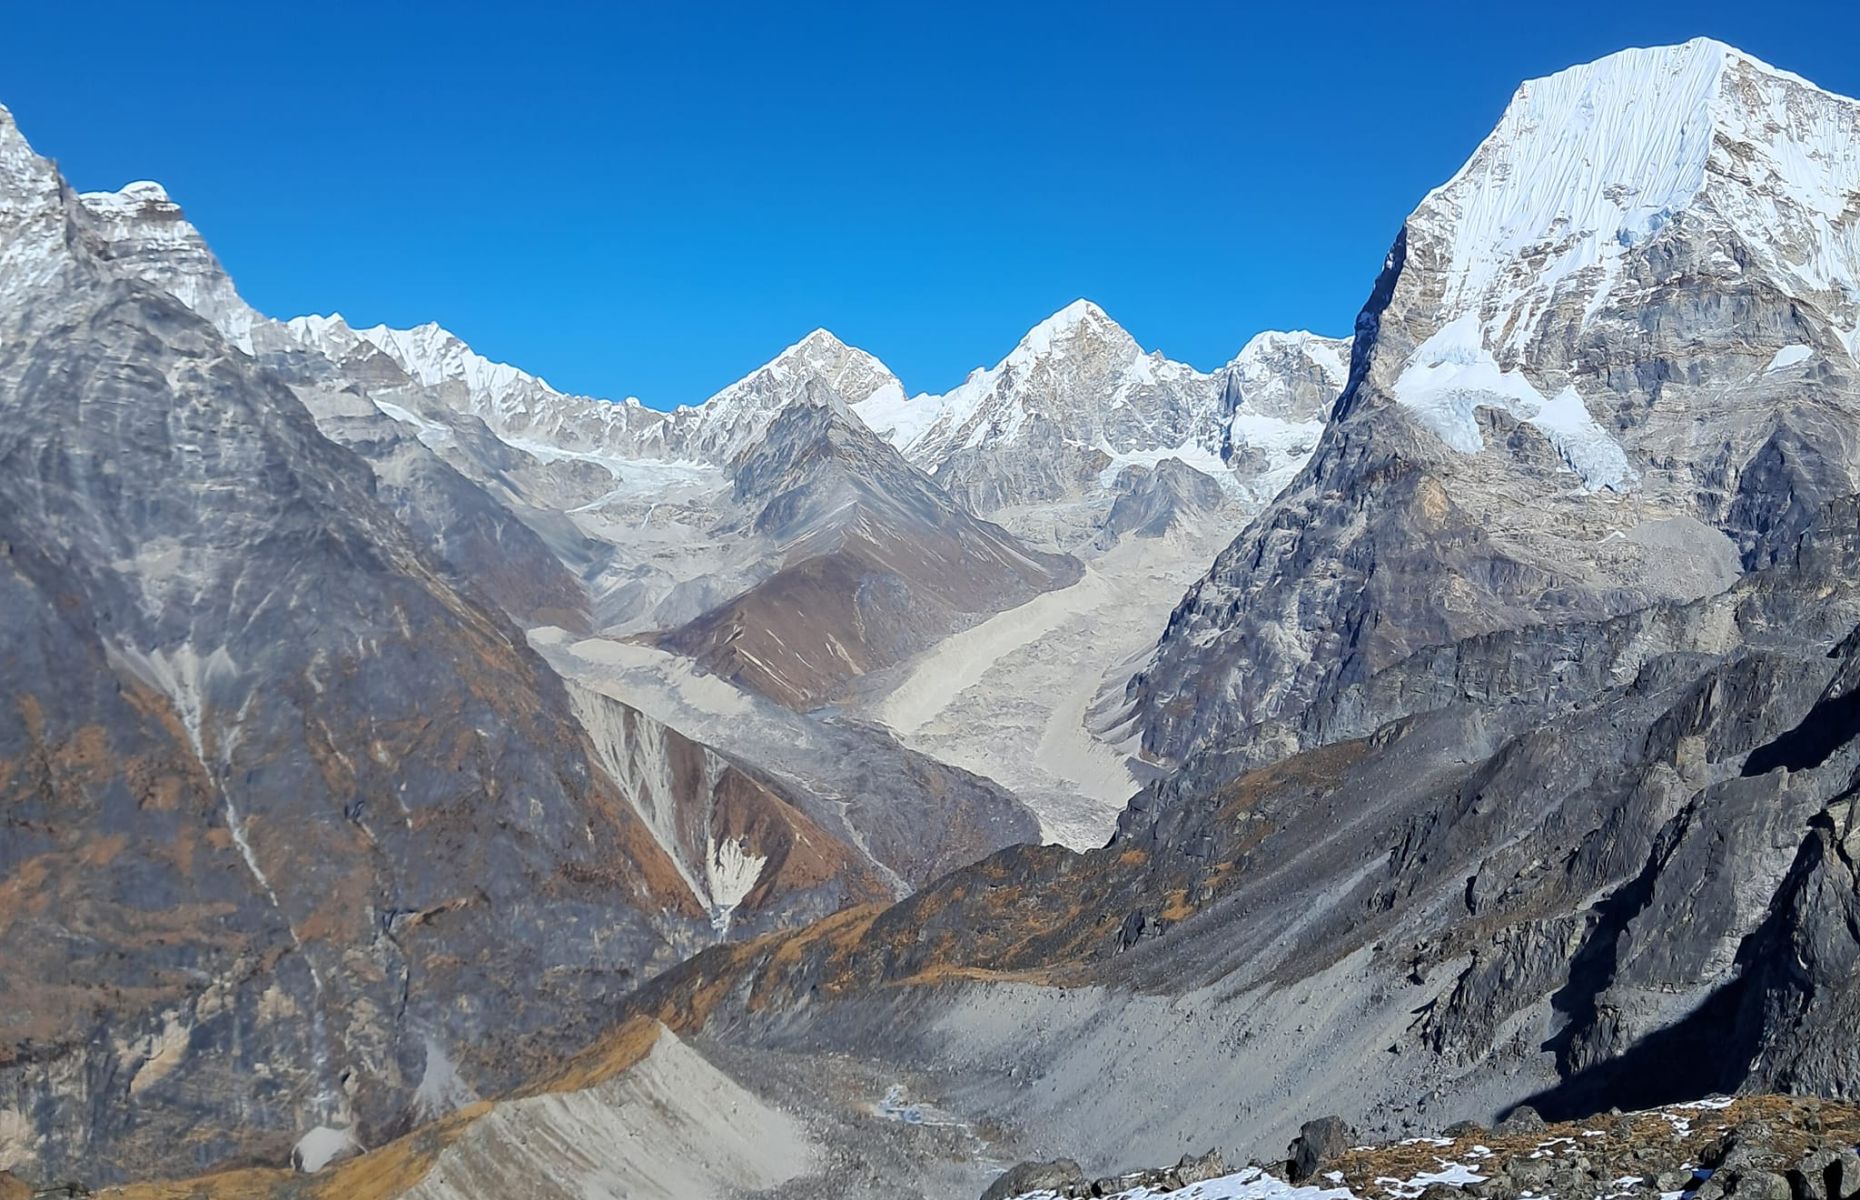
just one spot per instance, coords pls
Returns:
(431, 433)
(1452, 374)
(732, 872)
(441, 1091)
(1790, 356)
(1189, 454)
(323, 1146)
(1286, 444)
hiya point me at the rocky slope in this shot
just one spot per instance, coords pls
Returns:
(298, 817)
(1508, 757)
(1720, 1146)
(1628, 883)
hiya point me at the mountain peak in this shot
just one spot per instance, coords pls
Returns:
(847, 370)
(430, 354)
(1596, 159)
(145, 234)
(820, 340)
(1080, 319)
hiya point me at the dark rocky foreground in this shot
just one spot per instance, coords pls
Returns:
(1758, 1148)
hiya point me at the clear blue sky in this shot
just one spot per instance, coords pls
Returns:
(654, 199)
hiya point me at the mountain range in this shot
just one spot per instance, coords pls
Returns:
(440, 785)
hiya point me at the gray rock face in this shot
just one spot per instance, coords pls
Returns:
(294, 824)
(316, 815)
(1318, 1143)
(1150, 502)
(758, 854)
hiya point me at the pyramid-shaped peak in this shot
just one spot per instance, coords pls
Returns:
(1596, 159)
(818, 341)
(1076, 315)
(854, 373)
(1701, 62)
(1079, 320)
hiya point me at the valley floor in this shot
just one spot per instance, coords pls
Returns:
(1014, 698)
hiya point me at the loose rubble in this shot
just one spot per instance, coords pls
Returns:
(1751, 1148)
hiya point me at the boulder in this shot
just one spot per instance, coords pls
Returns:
(1522, 1119)
(1810, 1178)
(1844, 1175)
(1199, 1170)
(1530, 1174)
(1054, 1176)
(1761, 1185)
(1318, 1142)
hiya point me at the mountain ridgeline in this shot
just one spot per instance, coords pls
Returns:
(439, 784)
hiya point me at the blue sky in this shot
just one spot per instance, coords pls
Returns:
(654, 199)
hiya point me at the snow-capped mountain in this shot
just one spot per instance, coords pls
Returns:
(525, 411)
(1078, 402)
(146, 234)
(1610, 362)
(1077, 380)
(1542, 225)
(1293, 376)
(725, 425)
(1275, 397)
